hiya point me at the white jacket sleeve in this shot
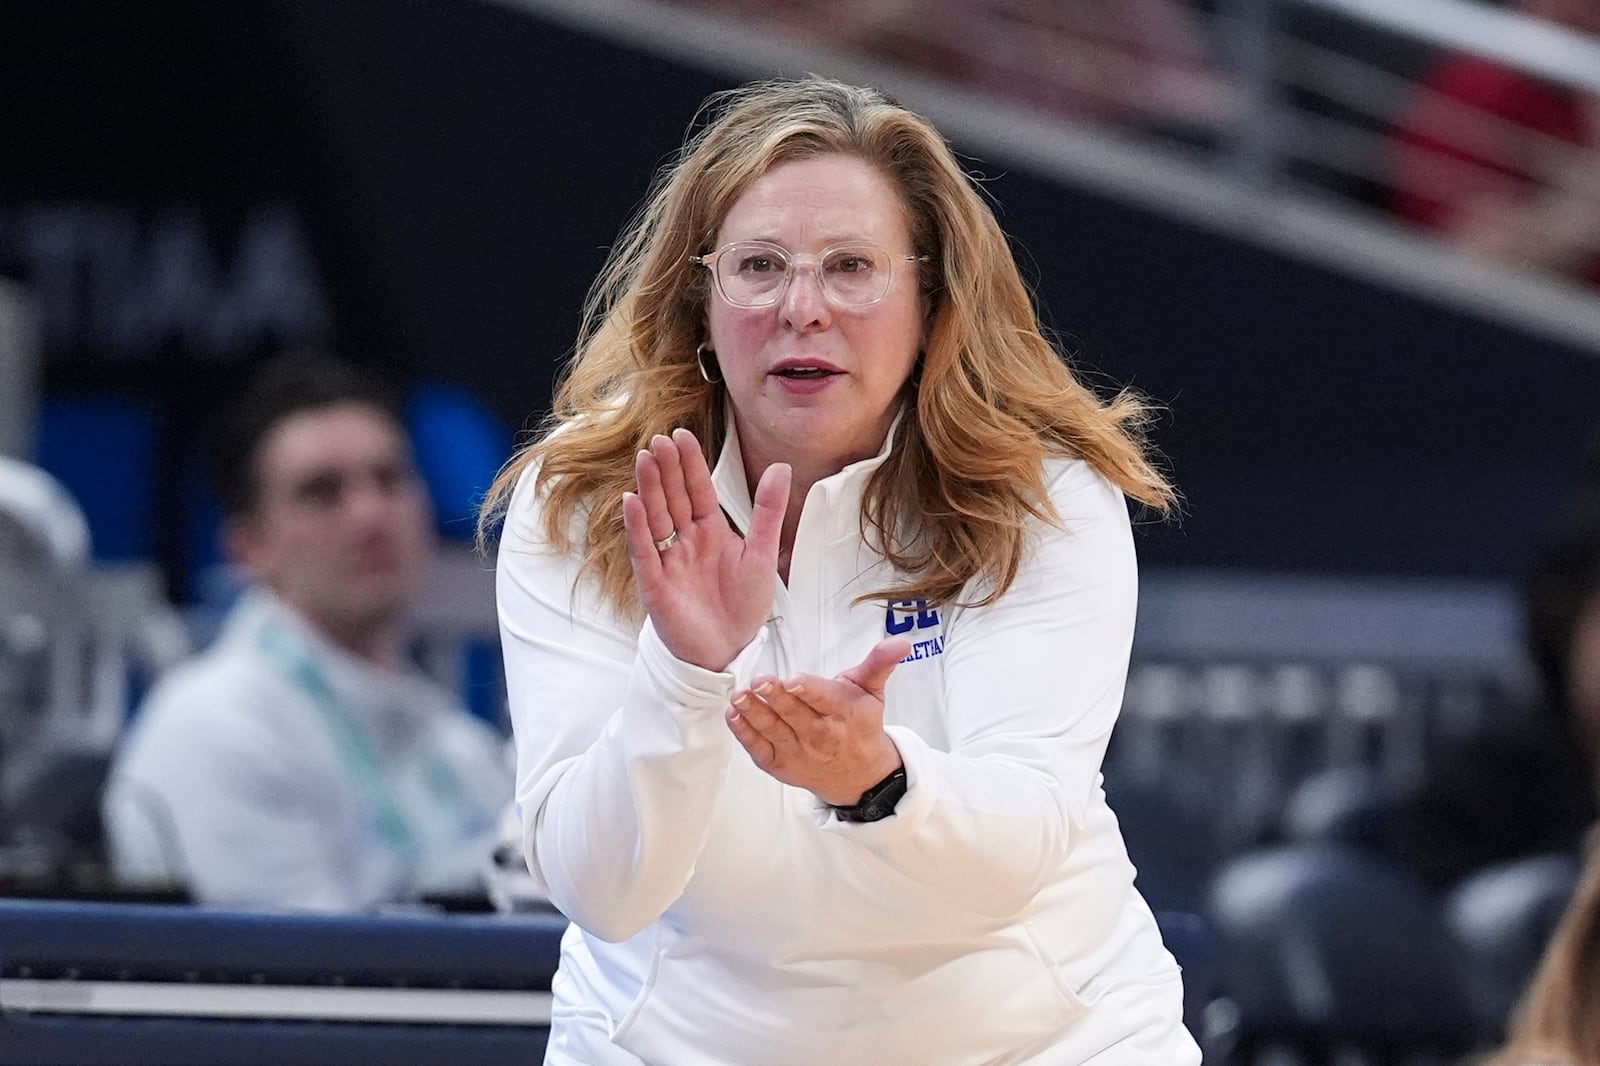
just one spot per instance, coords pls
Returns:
(1033, 685)
(622, 751)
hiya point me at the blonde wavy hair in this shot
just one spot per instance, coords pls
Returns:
(989, 399)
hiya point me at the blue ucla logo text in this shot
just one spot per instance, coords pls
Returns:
(905, 616)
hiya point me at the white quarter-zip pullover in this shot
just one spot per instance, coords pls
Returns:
(722, 917)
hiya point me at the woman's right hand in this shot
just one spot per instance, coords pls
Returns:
(710, 590)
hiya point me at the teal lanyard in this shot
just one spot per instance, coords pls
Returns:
(353, 745)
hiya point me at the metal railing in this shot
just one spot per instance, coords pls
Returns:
(1282, 131)
(1530, 45)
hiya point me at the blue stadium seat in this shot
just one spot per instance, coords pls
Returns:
(103, 449)
(460, 446)
(1504, 917)
(1351, 805)
(1330, 950)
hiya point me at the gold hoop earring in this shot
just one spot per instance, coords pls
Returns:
(708, 368)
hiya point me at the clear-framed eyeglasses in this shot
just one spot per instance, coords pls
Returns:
(757, 273)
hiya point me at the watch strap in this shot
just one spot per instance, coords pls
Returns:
(877, 802)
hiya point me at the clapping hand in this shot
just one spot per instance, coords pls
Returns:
(822, 734)
(706, 589)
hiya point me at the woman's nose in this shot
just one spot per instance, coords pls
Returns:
(805, 305)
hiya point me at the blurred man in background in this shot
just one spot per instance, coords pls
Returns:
(300, 761)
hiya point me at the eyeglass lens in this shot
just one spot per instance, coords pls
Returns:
(752, 273)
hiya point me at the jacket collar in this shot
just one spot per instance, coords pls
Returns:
(376, 695)
(835, 493)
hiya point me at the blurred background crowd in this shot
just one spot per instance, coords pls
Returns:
(1351, 246)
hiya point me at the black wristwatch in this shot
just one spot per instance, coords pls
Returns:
(877, 802)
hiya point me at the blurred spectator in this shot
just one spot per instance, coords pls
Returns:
(1533, 789)
(300, 761)
(1559, 1021)
(1505, 164)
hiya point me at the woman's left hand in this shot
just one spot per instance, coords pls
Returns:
(821, 734)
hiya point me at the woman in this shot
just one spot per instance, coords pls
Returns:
(808, 743)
